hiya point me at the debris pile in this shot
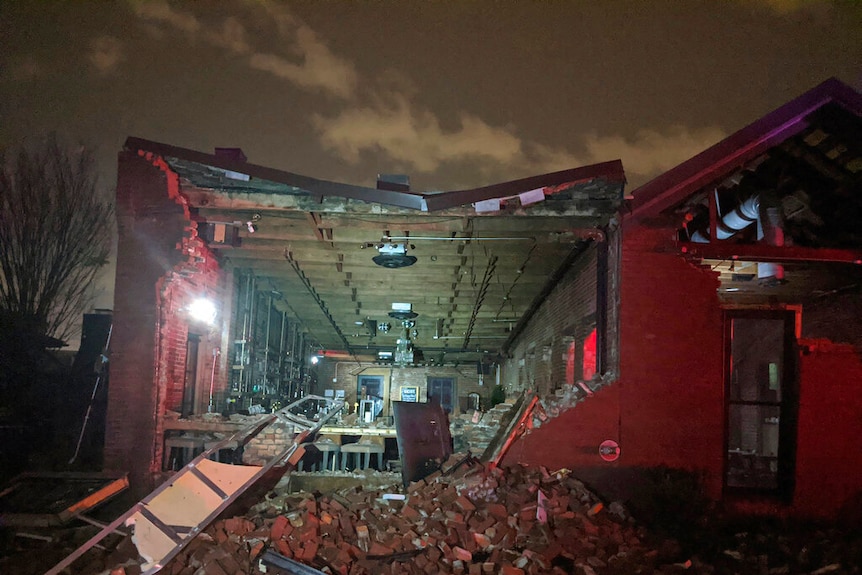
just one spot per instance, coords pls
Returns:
(470, 521)
(464, 520)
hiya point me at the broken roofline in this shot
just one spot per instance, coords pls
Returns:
(611, 172)
(733, 152)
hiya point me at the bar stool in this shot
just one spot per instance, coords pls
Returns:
(362, 450)
(328, 449)
(182, 449)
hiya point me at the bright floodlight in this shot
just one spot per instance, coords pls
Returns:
(203, 310)
(315, 359)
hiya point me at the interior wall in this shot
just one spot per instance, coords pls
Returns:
(538, 360)
(343, 375)
(179, 290)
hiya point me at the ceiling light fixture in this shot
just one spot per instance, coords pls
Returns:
(393, 256)
(402, 311)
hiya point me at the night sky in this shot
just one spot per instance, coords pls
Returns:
(453, 94)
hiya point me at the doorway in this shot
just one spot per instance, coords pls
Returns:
(442, 390)
(761, 391)
(370, 388)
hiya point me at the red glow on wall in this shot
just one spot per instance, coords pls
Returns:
(590, 355)
(570, 364)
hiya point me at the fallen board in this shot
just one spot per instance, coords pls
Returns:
(170, 517)
(52, 499)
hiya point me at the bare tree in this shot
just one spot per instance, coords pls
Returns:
(55, 235)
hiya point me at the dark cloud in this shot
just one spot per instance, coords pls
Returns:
(455, 94)
(106, 54)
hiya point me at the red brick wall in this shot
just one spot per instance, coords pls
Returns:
(572, 440)
(178, 290)
(667, 406)
(828, 461)
(671, 360)
(144, 251)
(161, 265)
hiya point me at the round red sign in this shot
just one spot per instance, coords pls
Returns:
(609, 450)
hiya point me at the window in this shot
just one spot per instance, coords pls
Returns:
(190, 399)
(761, 388)
(581, 356)
(442, 390)
(590, 356)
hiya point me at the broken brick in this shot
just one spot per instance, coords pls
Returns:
(465, 504)
(277, 530)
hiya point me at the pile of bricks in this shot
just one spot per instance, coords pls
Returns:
(470, 521)
(474, 430)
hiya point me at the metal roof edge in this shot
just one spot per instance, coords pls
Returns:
(743, 145)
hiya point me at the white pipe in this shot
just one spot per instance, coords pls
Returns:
(742, 216)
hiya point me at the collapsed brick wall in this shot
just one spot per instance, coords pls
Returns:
(667, 405)
(273, 440)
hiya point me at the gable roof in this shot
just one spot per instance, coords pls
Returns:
(733, 152)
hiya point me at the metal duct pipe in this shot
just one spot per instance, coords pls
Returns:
(768, 228)
(739, 218)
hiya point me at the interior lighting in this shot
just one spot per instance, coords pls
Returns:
(204, 310)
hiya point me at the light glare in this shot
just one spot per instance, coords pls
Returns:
(203, 310)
